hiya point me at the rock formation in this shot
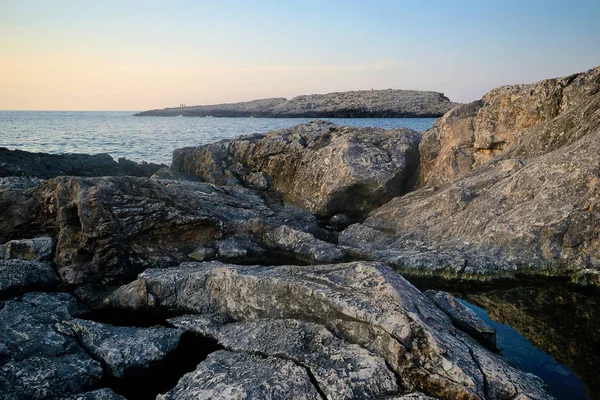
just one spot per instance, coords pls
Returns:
(530, 210)
(368, 305)
(17, 163)
(358, 104)
(323, 168)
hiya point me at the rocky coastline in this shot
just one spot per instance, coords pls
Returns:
(391, 103)
(280, 265)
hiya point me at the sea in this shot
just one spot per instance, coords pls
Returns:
(151, 139)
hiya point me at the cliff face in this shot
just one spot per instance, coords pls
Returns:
(472, 134)
(531, 209)
(357, 104)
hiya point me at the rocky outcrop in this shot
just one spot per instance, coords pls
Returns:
(111, 228)
(529, 211)
(18, 163)
(555, 319)
(357, 104)
(474, 133)
(340, 370)
(365, 304)
(323, 168)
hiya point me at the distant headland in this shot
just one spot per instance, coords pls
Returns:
(390, 103)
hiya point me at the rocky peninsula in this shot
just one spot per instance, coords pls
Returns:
(280, 265)
(391, 103)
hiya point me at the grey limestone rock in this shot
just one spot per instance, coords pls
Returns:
(318, 166)
(100, 394)
(341, 370)
(464, 318)
(366, 304)
(45, 166)
(125, 349)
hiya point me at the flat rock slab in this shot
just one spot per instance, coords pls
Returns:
(226, 375)
(100, 394)
(125, 349)
(341, 370)
(36, 249)
(367, 304)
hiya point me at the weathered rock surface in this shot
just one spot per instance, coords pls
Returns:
(227, 376)
(356, 104)
(464, 318)
(365, 304)
(100, 394)
(472, 134)
(19, 276)
(341, 370)
(36, 249)
(531, 210)
(37, 360)
(323, 168)
(124, 350)
(113, 227)
(45, 166)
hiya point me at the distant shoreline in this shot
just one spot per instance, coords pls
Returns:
(356, 104)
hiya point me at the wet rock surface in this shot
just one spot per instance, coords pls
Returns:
(321, 167)
(365, 304)
(356, 104)
(18, 163)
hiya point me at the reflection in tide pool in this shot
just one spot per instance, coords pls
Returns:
(521, 353)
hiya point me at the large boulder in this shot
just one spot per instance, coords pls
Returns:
(532, 210)
(474, 133)
(321, 167)
(110, 228)
(366, 304)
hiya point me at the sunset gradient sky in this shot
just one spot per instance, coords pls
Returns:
(137, 55)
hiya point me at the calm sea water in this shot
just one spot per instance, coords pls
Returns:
(150, 139)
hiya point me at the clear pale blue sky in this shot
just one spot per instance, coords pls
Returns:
(67, 54)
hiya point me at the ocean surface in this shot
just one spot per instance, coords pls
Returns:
(151, 139)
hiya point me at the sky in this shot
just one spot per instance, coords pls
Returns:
(137, 55)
